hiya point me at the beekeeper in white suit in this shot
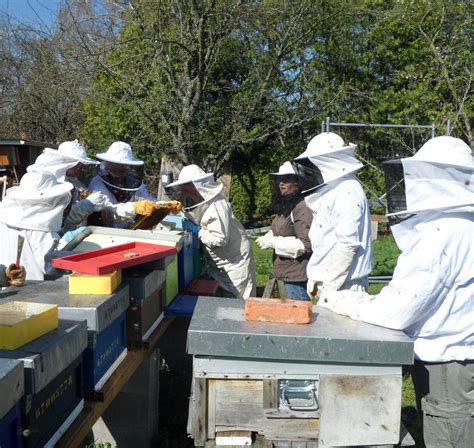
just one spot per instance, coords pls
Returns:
(120, 180)
(225, 243)
(34, 210)
(70, 163)
(431, 294)
(340, 233)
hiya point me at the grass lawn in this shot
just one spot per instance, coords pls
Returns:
(385, 258)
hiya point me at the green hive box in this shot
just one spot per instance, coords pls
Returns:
(171, 281)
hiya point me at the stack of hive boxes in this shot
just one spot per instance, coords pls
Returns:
(70, 337)
(41, 373)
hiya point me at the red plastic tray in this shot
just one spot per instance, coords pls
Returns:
(109, 259)
(201, 287)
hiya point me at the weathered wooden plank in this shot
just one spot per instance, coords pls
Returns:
(211, 409)
(234, 438)
(260, 442)
(282, 292)
(267, 292)
(200, 411)
(270, 394)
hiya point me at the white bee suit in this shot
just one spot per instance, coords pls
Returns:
(431, 295)
(340, 235)
(225, 244)
(119, 214)
(340, 232)
(34, 210)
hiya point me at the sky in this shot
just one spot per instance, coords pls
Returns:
(32, 12)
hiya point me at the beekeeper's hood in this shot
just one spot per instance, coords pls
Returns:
(326, 158)
(440, 176)
(58, 162)
(193, 187)
(37, 203)
(120, 169)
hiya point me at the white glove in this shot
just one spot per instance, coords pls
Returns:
(338, 266)
(266, 241)
(93, 203)
(288, 246)
(124, 210)
(98, 201)
(343, 302)
(312, 289)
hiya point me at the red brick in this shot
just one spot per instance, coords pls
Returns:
(278, 310)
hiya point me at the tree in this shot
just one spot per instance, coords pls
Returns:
(204, 82)
(45, 74)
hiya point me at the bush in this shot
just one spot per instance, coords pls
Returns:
(251, 196)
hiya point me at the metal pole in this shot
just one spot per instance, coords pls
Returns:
(433, 130)
(448, 127)
(363, 125)
(322, 126)
(327, 124)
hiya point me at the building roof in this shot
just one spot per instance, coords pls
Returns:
(14, 142)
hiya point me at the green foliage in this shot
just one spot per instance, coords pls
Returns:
(386, 254)
(251, 195)
(263, 263)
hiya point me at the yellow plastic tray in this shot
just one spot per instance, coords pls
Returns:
(94, 284)
(22, 322)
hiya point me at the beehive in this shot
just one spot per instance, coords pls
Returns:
(22, 322)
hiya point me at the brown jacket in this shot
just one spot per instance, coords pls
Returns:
(293, 219)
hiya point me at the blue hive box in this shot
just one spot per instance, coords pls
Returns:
(53, 382)
(188, 268)
(104, 348)
(185, 261)
(12, 384)
(182, 306)
(10, 428)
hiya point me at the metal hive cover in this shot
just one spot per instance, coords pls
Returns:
(218, 329)
(98, 310)
(45, 357)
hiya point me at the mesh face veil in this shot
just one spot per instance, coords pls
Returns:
(122, 177)
(308, 173)
(395, 186)
(187, 193)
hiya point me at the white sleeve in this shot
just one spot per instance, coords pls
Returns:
(215, 225)
(288, 246)
(338, 266)
(417, 287)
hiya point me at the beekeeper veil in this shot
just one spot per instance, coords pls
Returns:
(38, 203)
(194, 187)
(326, 159)
(61, 163)
(437, 179)
(120, 170)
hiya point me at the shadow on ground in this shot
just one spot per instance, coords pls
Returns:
(175, 386)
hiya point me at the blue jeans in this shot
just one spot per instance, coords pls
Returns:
(296, 290)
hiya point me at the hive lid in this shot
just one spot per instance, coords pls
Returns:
(218, 329)
(47, 356)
